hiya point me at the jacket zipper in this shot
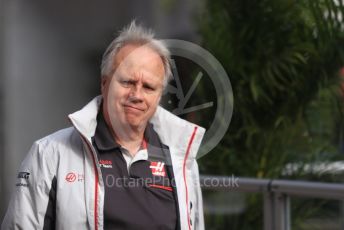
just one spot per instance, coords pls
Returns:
(184, 175)
(96, 176)
(95, 183)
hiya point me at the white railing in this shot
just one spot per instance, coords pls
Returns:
(276, 194)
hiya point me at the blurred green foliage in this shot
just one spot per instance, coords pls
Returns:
(283, 58)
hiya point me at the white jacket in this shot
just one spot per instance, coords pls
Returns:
(68, 158)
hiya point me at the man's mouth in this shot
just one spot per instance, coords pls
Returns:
(134, 108)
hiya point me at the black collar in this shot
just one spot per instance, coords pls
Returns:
(104, 141)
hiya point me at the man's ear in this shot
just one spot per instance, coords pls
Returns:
(103, 82)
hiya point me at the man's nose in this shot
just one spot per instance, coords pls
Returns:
(136, 94)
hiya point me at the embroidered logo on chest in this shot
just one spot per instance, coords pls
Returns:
(105, 164)
(158, 168)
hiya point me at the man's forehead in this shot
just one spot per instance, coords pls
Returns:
(132, 59)
(134, 54)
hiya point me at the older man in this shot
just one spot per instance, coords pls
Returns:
(125, 164)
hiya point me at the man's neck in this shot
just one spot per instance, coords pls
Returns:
(128, 137)
(131, 142)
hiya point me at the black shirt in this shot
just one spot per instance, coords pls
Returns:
(143, 197)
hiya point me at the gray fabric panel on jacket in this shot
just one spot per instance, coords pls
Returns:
(50, 214)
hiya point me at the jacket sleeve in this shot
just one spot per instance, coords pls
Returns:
(199, 215)
(33, 193)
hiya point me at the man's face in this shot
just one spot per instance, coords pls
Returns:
(132, 94)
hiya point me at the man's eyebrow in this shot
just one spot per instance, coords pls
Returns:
(151, 83)
(127, 77)
(146, 84)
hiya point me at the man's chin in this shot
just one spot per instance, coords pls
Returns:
(136, 124)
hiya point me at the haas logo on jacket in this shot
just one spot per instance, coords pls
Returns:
(158, 168)
(71, 177)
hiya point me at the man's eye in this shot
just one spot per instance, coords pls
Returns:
(126, 83)
(149, 88)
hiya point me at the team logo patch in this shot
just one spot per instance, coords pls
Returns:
(70, 177)
(24, 175)
(158, 168)
(105, 164)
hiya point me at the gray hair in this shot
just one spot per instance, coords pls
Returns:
(135, 34)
